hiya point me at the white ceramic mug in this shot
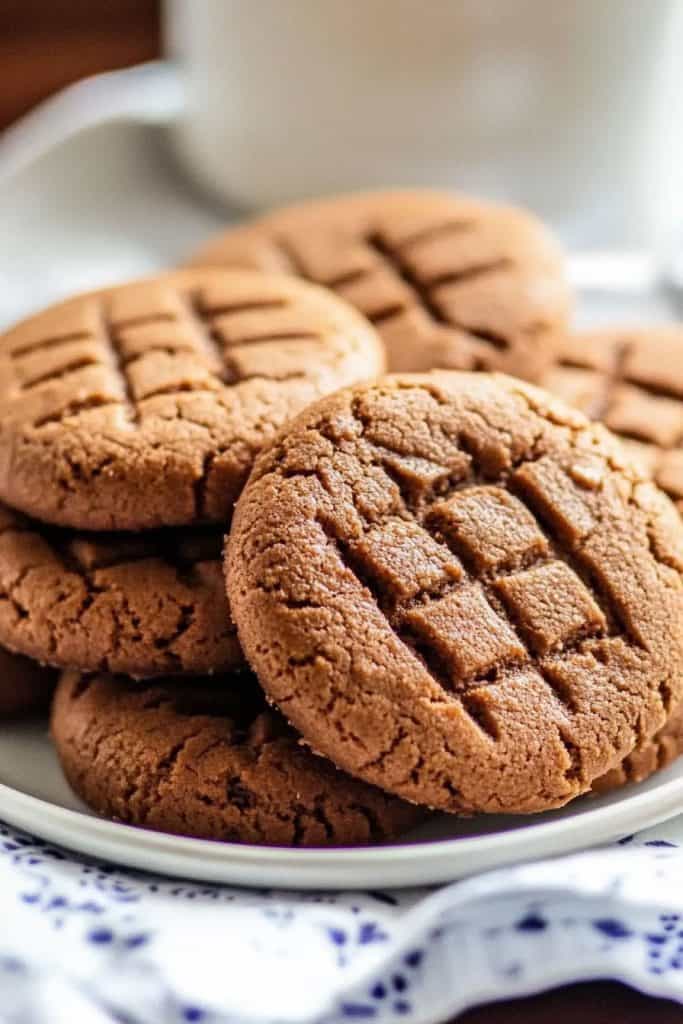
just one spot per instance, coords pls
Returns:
(569, 108)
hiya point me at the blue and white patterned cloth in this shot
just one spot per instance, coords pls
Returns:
(83, 941)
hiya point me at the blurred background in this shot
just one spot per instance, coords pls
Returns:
(45, 46)
(571, 109)
(101, 205)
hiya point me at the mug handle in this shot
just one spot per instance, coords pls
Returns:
(151, 93)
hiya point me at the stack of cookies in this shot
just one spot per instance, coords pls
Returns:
(285, 598)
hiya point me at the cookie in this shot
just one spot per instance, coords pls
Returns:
(632, 380)
(207, 758)
(143, 405)
(457, 588)
(649, 757)
(447, 281)
(142, 604)
(25, 687)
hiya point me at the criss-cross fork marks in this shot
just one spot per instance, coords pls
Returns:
(480, 591)
(192, 345)
(388, 279)
(634, 384)
(423, 287)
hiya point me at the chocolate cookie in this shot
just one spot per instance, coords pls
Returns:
(649, 756)
(142, 604)
(24, 686)
(209, 759)
(458, 589)
(447, 281)
(632, 380)
(144, 405)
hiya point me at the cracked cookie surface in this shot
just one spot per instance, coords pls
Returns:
(142, 604)
(459, 589)
(144, 405)
(25, 687)
(208, 758)
(632, 380)
(648, 757)
(447, 281)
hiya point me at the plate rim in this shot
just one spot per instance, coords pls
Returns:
(132, 845)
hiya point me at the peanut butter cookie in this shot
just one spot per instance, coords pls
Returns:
(142, 604)
(459, 589)
(207, 758)
(448, 281)
(632, 380)
(144, 405)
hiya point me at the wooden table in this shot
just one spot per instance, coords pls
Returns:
(44, 45)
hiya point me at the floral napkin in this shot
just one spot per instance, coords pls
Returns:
(81, 940)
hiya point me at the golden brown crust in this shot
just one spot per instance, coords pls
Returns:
(456, 588)
(144, 405)
(142, 604)
(206, 758)
(448, 281)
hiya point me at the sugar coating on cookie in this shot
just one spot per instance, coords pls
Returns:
(459, 589)
(448, 281)
(142, 604)
(144, 405)
(25, 687)
(632, 380)
(207, 758)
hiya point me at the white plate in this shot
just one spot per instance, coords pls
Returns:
(34, 796)
(108, 206)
